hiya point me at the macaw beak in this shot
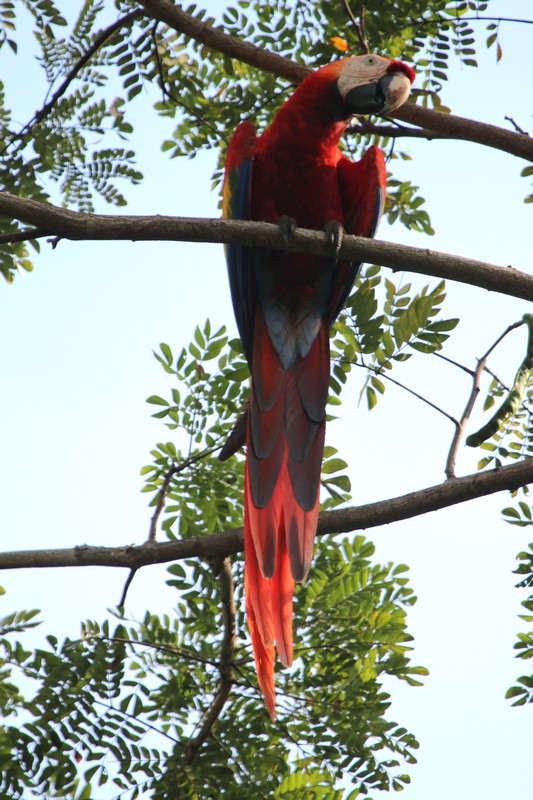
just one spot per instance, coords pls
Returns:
(390, 92)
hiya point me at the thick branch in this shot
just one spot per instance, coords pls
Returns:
(517, 144)
(449, 493)
(444, 124)
(73, 225)
(217, 39)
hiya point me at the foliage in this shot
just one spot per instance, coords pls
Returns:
(522, 692)
(120, 704)
(208, 396)
(508, 435)
(80, 145)
(377, 335)
(211, 388)
(137, 691)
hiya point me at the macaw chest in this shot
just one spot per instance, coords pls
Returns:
(305, 189)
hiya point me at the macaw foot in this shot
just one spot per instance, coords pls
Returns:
(287, 226)
(335, 233)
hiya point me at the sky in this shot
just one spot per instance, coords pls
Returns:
(77, 366)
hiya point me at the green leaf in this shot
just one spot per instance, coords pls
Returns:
(156, 400)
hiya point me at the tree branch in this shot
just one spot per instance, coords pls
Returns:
(474, 393)
(364, 126)
(162, 494)
(222, 569)
(371, 515)
(77, 226)
(447, 125)
(22, 236)
(217, 39)
(516, 144)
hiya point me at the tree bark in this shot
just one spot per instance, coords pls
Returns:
(60, 223)
(220, 545)
(517, 144)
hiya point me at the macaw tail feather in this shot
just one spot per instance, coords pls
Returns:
(269, 610)
(258, 612)
(285, 443)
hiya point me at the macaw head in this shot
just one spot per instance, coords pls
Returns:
(371, 84)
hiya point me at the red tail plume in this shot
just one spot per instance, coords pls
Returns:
(268, 608)
(285, 441)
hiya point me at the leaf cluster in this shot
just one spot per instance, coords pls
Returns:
(522, 692)
(208, 395)
(78, 142)
(60, 147)
(119, 705)
(384, 324)
(508, 435)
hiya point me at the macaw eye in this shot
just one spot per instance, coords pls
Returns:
(370, 60)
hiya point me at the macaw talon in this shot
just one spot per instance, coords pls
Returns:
(287, 227)
(335, 234)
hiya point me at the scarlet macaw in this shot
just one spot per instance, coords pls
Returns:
(285, 304)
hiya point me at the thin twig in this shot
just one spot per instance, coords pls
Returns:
(455, 363)
(171, 96)
(501, 383)
(222, 569)
(471, 372)
(387, 377)
(363, 31)
(358, 25)
(517, 127)
(157, 646)
(431, 20)
(161, 497)
(474, 394)
(393, 131)
(137, 718)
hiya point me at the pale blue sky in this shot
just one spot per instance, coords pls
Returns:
(77, 366)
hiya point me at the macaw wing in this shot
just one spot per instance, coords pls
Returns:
(236, 205)
(363, 187)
